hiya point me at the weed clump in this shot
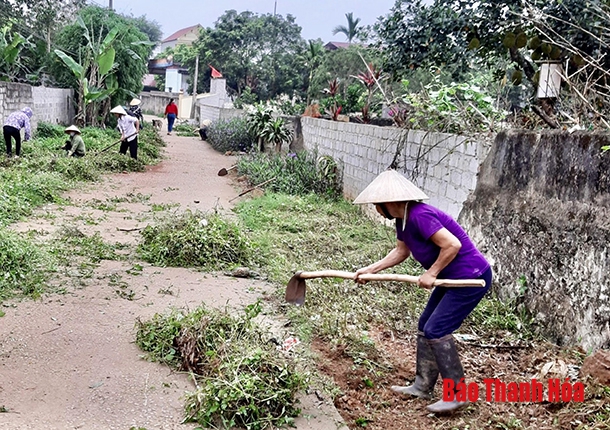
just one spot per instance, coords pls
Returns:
(242, 379)
(295, 173)
(230, 135)
(195, 240)
(21, 265)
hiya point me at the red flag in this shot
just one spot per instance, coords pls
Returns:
(215, 73)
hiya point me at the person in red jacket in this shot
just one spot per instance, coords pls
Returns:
(171, 112)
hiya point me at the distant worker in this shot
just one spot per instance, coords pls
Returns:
(171, 113)
(203, 130)
(136, 111)
(75, 147)
(128, 126)
(12, 129)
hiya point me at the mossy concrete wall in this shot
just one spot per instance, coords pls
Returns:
(541, 213)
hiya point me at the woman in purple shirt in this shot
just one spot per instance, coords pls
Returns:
(12, 129)
(444, 249)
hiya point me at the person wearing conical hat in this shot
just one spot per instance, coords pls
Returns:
(75, 147)
(136, 110)
(443, 248)
(128, 126)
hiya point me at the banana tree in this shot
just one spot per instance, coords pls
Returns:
(11, 44)
(96, 81)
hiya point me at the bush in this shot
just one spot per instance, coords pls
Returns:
(44, 130)
(242, 379)
(194, 240)
(231, 135)
(296, 173)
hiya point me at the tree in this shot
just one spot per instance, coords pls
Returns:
(262, 52)
(352, 29)
(150, 28)
(509, 36)
(47, 16)
(314, 55)
(344, 64)
(88, 44)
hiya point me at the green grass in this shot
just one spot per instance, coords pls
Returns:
(313, 233)
(295, 173)
(43, 172)
(40, 176)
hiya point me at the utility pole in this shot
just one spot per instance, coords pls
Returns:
(110, 4)
(195, 87)
(274, 7)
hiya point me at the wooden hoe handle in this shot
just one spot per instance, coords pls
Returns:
(390, 277)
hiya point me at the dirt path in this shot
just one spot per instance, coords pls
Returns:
(68, 361)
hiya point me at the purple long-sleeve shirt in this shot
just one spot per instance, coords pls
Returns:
(425, 220)
(20, 120)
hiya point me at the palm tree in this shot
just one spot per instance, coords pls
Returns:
(352, 28)
(314, 56)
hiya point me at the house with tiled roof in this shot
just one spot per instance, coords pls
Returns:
(185, 36)
(176, 76)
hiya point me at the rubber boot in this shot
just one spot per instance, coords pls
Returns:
(450, 367)
(426, 372)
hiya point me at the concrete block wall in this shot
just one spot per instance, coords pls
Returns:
(154, 102)
(215, 113)
(52, 105)
(445, 166)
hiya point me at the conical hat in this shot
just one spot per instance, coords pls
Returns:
(390, 186)
(119, 110)
(72, 128)
(135, 102)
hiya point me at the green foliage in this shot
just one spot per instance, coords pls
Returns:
(71, 242)
(242, 379)
(21, 265)
(455, 35)
(260, 52)
(276, 133)
(230, 135)
(131, 48)
(11, 45)
(352, 30)
(344, 64)
(296, 173)
(246, 98)
(185, 130)
(452, 108)
(44, 172)
(196, 240)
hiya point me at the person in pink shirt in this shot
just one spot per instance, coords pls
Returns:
(12, 130)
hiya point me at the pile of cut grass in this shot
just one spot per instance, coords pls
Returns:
(242, 379)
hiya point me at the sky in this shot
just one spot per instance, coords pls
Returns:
(317, 18)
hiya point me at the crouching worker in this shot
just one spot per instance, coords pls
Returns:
(203, 131)
(75, 147)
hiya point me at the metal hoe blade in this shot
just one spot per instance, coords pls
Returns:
(295, 290)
